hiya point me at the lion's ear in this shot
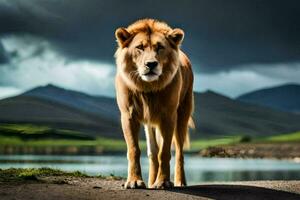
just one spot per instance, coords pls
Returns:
(176, 36)
(122, 36)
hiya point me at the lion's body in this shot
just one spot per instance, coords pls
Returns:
(164, 105)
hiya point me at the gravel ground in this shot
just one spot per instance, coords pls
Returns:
(47, 188)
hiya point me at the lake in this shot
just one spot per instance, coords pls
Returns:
(198, 169)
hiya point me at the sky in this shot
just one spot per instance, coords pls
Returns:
(235, 46)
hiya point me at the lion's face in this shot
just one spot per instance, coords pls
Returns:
(149, 54)
(148, 57)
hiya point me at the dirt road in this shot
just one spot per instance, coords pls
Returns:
(69, 188)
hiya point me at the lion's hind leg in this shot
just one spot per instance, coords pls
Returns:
(179, 175)
(181, 137)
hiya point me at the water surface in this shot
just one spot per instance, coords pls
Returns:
(197, 169)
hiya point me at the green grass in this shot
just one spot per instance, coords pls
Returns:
(204, 143)
(30, 131)
(5, 140)
(24, 128)
(29, 172)
(21, 174)
(104, 143)
(107, 143)
(292, 137)
(33, 173)
(24, 135)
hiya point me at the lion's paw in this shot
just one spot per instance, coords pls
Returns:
(180, 184)
(163, 185)
(135, 184)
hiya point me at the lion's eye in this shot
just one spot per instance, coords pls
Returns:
(140, 47)
(159, 47)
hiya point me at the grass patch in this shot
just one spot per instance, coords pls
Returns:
(24, 128)
(20, 174)
(42, 172)
(29, 131)
(205, 143)
(34, 173)
(28, 135)
(108, 143)
(292, 137)
(104, 143)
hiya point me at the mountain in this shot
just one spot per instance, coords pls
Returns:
(61, 108)
(284, 97)
(219, 115)
(97, 105)
(215, 115)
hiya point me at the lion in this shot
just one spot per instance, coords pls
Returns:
(154, 87)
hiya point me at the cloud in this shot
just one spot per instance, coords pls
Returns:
(37, 63)
(226, 34)
(34, 61)
(247, 78)
(9, 91)
(3, 55)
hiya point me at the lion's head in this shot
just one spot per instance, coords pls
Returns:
(148, 54)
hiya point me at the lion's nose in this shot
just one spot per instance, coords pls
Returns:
(151, 65)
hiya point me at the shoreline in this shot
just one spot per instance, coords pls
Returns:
(279, 151)
(90, 188)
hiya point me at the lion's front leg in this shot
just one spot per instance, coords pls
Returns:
(152, 151)
(130, 128)
(166, 129)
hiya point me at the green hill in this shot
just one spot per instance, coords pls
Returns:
(93, 116)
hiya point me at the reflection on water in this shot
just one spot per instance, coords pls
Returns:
(197, 169)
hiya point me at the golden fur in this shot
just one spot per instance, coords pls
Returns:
(160, 98)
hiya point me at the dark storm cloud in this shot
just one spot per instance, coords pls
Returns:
(3, 55)
(220, 35)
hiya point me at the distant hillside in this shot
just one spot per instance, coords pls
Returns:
(215, 115)
(42, 111)
(98, 105)
(284, 97)
(219, 115)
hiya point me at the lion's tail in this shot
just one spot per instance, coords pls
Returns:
(187, 144)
